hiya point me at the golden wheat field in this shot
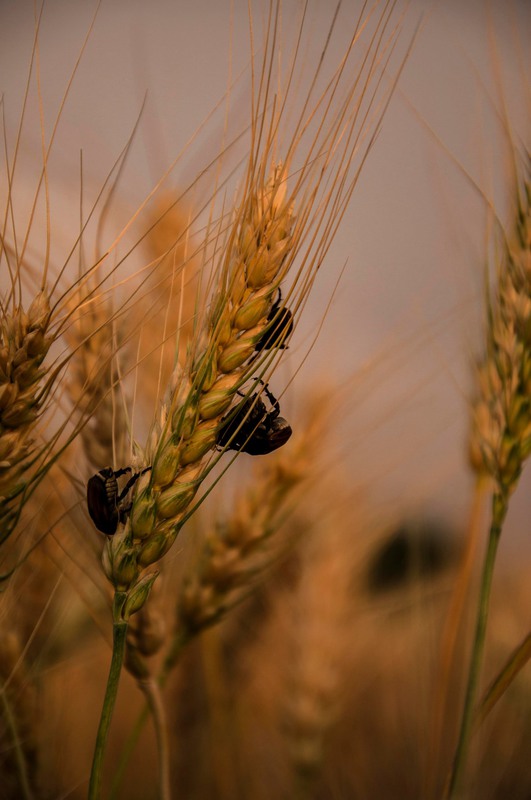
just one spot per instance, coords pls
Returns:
(265, 400)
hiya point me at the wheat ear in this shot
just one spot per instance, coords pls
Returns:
(24, 343)
(205, 388)
(501, 433)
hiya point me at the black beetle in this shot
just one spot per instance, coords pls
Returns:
(250, 428)
(105, 504)
(279, 327)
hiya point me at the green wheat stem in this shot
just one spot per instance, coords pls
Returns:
(499, 510)
(118, 653)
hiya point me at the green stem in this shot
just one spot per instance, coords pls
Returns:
(118, 652)
(499, 510)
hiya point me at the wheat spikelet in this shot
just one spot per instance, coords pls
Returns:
(145, 636)
(501, 432)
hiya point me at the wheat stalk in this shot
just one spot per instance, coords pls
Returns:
(501, 430)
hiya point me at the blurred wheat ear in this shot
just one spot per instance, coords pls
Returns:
(94, 382)
(24, 344)
(170, 294)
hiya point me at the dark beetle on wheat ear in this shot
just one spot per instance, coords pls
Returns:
(105, 505)
(250, 428)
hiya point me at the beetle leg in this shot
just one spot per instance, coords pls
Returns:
(122, 471)
(131, 482)
(272, 399)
